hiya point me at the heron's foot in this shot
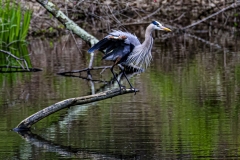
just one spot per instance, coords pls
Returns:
(122, 88)
(133, 89)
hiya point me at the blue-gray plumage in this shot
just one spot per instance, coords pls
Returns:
(124, 48)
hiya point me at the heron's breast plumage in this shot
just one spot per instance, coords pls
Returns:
(141, 55)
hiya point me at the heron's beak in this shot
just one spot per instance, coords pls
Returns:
(167, 29)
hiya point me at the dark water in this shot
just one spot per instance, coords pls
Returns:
(187, 107)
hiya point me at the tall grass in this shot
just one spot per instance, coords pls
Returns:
(14, 25)
(14, 22)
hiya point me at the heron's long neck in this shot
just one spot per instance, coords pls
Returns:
(147, 43)
(141, 55)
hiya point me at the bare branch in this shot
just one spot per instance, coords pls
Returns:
(17, 58)
(29, 121)
(234, 5)
(155, 12)
(83, 70)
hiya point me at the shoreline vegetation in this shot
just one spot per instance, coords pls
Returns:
(14, 26)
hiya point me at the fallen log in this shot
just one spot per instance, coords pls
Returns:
(29, 121)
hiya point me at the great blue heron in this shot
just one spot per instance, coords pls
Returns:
(124, 48)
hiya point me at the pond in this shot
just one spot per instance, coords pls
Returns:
(188, 106)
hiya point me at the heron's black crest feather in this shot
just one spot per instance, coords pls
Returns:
(155, 23)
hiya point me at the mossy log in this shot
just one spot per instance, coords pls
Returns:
(29, 121)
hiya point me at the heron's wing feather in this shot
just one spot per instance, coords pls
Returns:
(131, 39)
(122, 52)
(101, 45)
(113, 55)
(115, 46)
(109, 44)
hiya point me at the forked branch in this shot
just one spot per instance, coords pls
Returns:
(24, 65)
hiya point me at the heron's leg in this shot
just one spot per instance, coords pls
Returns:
(118, 59)
(120, 86)
(122, 69)
(89, 75)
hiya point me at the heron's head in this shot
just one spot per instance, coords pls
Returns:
(159, 26)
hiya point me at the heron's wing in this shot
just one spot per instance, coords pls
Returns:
(109, 44)
(131, 39)
(115, 46)
(101, 45)
(121, 52)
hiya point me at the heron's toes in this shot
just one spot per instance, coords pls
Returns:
(135, 91)
(123, 88)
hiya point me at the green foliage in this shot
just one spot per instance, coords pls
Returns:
(14, 22)
(14, 25)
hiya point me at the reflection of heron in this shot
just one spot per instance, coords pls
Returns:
(124, 48)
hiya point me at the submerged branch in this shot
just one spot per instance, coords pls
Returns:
(10, 69)
(84, 70)
(29, 121)
(17, 59)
